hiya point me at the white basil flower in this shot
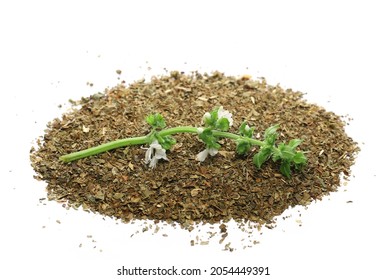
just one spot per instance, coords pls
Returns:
(154, 153)
(221, 113)
(204, 154)
(206, 116)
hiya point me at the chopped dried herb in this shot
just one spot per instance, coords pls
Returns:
(119, 184)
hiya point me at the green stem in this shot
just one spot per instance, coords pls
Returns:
(105, 147)
(146, 140)
(178, 129)
(222, 134)
(237, 137)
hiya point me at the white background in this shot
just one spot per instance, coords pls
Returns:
(334, 51)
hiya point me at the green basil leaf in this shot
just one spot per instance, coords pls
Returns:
(156, 120)
(285, 168)
(299, 158)
(150, 120)
(287, 153)
(294, 143)
(270, 134)
(207, 137)
(262, 156)
(245, 130)
(243, 147)
(222, 124)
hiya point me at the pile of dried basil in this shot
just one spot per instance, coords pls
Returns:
(119, 184)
